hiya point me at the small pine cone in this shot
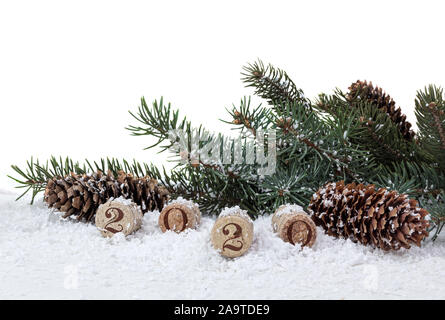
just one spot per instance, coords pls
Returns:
(381, 218)
(364, 91)
(81, 195)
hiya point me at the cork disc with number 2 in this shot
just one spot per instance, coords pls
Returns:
(115, 217)
(232, 235)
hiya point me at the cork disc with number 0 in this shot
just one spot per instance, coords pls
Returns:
(232, 235)
(179, 216)
(293, 225)
(115, 216)
(298, 228)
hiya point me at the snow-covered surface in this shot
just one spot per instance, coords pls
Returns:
(45, 257)
(122, 200)
(234, 210)
(289, 208)
(184, 202)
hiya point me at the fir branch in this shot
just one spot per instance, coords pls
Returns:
(298, 125)
(361, 92)
(36, 175)
(438, 122)
(312, 145)
(395, 154)
(157, 121)
(205, 175)
(169, 121)
(435, 205)
(417, 179)
(292, 184)
(430, 113)
(249, 119)
(376, 132)
(272, 84)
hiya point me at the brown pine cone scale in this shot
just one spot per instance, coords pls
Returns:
(377, 217)
(364, 91)
(81, 195)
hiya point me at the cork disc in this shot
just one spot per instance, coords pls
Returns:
(178, 217)
(232, 236)
(297, 228)
(115, 216)
(282, 211)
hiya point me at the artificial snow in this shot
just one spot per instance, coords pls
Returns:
(121, 200)
(234, 210)
(43, 256)
(288, 209)
(189, 204)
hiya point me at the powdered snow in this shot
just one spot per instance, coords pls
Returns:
(43, 256)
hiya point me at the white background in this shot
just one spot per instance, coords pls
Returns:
(71, 70)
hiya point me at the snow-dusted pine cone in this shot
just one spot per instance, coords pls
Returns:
(81, 195)
(364, 91)
(378, 217)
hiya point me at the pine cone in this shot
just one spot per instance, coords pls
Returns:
(381, 218)
(81, 195)
(362, 90)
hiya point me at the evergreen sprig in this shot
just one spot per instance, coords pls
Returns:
(430, 113)
(248, 119)
(436, 207)
(272, 84)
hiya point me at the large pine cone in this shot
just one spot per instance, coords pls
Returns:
(381, 218)
(81, 195)
(364, 91)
